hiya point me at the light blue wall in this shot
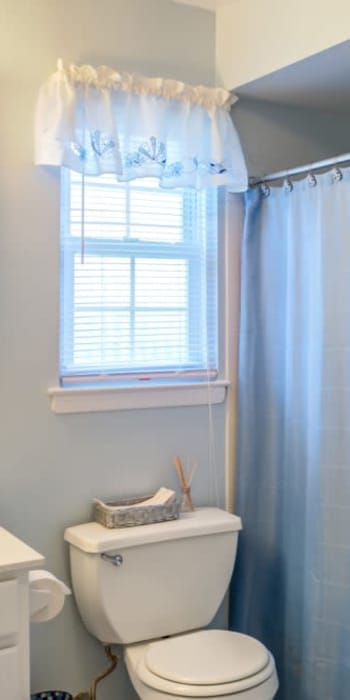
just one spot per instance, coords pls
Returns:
(277, 137)
(52, 466)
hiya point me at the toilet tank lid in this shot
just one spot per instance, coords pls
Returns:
(95, 538)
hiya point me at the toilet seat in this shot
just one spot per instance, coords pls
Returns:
(189, 658)
(206, 663)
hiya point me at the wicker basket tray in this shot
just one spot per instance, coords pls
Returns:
(110, 513)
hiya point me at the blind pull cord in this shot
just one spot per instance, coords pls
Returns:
(82, 231)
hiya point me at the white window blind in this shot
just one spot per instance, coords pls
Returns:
(143, 304)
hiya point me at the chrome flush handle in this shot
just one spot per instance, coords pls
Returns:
(115, 559)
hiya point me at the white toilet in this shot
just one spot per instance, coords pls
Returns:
(153, 589)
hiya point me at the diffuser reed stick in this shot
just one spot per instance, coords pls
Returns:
(185, 484)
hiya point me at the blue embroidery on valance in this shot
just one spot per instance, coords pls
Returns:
(151, 152)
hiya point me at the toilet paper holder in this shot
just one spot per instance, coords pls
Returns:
(46, 595)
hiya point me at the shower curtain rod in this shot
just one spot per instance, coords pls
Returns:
(311, 167)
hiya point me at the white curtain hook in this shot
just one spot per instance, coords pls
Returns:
(337, 174)
(312, 180)
(287, 185)
(265, 189)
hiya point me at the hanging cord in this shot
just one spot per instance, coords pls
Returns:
(213, 486)
(91, 694)
(213, 465)
(82, 203)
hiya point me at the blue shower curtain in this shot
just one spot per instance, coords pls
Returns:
(291, 585)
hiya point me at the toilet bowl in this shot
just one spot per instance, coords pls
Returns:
(155, 589)
(202, 664)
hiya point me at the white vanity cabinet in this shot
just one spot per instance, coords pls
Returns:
(16, 559)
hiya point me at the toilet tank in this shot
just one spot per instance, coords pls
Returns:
(150, 581)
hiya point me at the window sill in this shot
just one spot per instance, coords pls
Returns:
(88, 400)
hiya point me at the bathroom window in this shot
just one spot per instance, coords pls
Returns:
(141, 305)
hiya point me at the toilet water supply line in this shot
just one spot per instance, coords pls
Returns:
(91, 694)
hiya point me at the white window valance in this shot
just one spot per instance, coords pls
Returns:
(96, 120)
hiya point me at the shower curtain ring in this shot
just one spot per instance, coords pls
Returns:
(287, 185)
(337, 174)
(312, 180)
(265, 189)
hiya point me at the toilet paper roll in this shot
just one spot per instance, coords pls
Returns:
(47, 595)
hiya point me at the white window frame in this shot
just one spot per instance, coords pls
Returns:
(84, 398)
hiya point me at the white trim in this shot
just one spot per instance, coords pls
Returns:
(191, 250)
(91, 399)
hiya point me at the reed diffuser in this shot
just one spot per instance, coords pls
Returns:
(185, 484)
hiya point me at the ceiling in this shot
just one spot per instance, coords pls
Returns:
(321, 81)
